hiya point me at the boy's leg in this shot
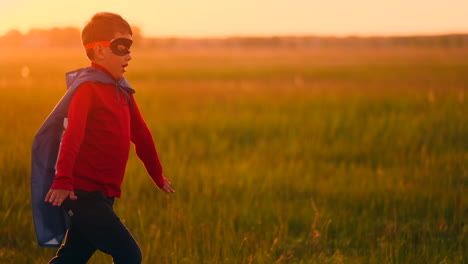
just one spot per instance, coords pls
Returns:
(94, 218)
(75, 250)
(108, 234)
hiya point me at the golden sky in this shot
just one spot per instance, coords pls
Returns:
(198, 18)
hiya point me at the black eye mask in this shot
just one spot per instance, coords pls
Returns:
(118, 46)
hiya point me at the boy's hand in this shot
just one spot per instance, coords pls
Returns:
(57, 196)
(167, 186)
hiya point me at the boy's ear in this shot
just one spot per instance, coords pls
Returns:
(98, 50)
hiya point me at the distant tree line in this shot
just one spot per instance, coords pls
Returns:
(39, 38)
(311, 42)
(69, 37)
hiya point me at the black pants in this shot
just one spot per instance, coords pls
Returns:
(95, 226)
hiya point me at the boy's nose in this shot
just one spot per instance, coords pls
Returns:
(127, 56)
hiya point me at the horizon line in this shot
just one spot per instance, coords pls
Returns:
(265, 35)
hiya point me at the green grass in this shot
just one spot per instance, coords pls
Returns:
(323, 156)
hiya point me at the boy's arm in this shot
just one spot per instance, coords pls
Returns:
(145, 148)
(62, 186)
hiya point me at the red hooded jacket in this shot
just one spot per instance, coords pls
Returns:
(96, 143)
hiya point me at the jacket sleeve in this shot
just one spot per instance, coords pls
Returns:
(73, 137)
(144, 145)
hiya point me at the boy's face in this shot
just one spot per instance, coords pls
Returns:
(115, 64)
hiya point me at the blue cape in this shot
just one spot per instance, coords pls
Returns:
(51, 222)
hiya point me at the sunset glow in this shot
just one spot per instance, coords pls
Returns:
(246, 18)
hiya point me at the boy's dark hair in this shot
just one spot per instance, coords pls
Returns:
(103, 26)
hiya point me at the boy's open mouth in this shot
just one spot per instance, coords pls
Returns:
(124, 66)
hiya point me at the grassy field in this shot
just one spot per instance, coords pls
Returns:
(277, 156)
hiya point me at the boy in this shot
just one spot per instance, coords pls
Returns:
(103, 118)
